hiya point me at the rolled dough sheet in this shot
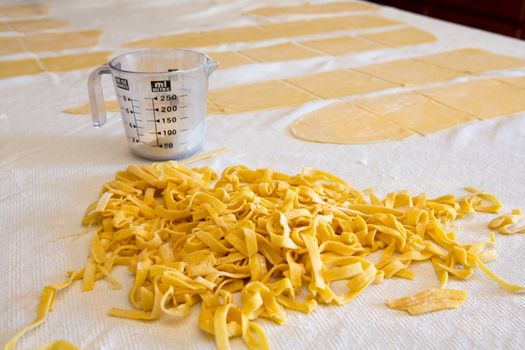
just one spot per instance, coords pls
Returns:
(304, 27)
(414, 112)
(401, 37)
(480, 98)
(325, 25)
(208, 38)
(409, 72)
(211, 108)
(329, 7)
(75, 62)
(31, 66)
(229, 59)
(471, 60)
(23, 10)
(339, 83)
(366, 21)
(85, 109)
(279, 52)
(15, 68)
(258, 96)
(49, 41)
(340, 46)
(343, 123)
(514, 81)
(32, 25)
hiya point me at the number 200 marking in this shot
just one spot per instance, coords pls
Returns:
(168, 109)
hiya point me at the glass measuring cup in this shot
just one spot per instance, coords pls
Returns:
(162, 98)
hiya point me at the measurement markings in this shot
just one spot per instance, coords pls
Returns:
(154, 109)
(155, 119)
(135, 118)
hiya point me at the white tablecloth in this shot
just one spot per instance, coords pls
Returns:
(52, 166)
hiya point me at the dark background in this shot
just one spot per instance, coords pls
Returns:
(505, 17)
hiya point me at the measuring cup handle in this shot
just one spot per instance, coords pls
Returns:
(96, 98)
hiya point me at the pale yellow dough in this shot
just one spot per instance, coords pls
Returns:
(26, 66)
(264, 32)
(473, 60)
(514, 81)
(23, 10)
(400, 37)
(58, 345)
(409, 72)
(49, 41)
(257, 96)
(110, 106)
(325, 25)
(32, 25)
(414, 112)
(279, 52)
(31, 66)
(229, 59)
(342, 123)
(339, 83)
(329, 7)
(208, 38)
(340, 46)
(480, 98)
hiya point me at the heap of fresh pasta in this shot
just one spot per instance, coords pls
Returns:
(281, 241)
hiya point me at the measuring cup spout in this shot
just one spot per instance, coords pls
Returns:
(210, 65)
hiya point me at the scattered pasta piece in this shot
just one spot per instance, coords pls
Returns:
(189, 236)
(507, 224)
(58, 345)
(430, 300)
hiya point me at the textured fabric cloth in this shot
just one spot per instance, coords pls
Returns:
(52, 166)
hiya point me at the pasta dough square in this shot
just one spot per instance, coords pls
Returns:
(15, 68)
(473, 60)
(303, 27)
(400, 37)
(228, 59)
(331, 24)
(74, 62)
(235, 34)
(208, 38)
(257, 96)
(339, 83)
(23, 10)
(480, 98)
(49, 41)
(409, 72)
(329, 7)
(340, 46)
(31, 25)
(514, 81)
(280, 52)
(366, 21)
(342, 123)
(414, 112)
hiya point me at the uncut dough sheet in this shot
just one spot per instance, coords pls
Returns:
(52, 166)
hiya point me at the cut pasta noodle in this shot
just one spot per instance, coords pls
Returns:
(507, 224)
(430, 300)
(189, 236)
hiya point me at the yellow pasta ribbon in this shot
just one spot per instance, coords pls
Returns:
(189, 236)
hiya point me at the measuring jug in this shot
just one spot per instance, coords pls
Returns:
(162, 99)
